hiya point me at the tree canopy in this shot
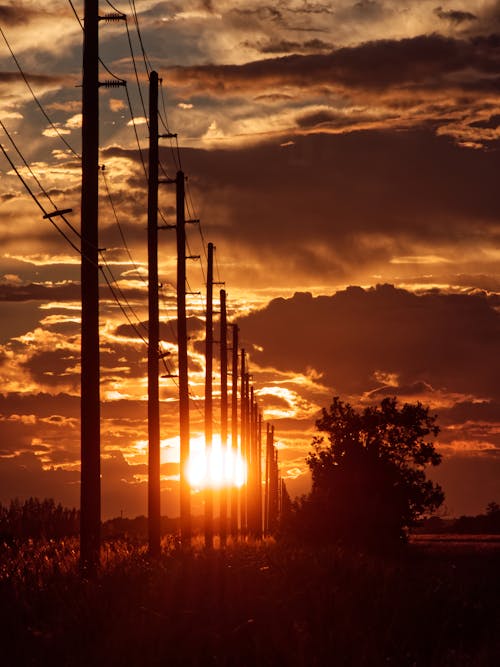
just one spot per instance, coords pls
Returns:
(369, 477)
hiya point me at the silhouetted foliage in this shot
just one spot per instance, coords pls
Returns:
(488, 523)
(369, 481)
(137, 528)
(265, 605)
(35, 519)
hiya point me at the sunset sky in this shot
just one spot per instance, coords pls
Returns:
(344, 159)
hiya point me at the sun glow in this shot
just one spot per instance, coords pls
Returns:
(220, 467)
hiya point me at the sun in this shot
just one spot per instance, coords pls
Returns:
(222, 468)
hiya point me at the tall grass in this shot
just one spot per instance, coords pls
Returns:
(265, 604)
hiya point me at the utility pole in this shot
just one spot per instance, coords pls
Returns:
(258, 465)
(209, 343)
(248, 452)
(243, 411)
(90, 498)
(273, 482)
(234, 428)
(251, 440)
(223, 415)
(266, 484)
(185, 492)
(153, 327)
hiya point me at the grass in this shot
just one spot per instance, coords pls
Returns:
(266, 604)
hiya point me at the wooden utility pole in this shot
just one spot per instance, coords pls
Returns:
(90, 498)
(258, 466)
(273, 482)
(243, 429)
(153, 327)
(248, 453)
(185, 491)
(209, 343)
(234, 429)
(266, 484)
(223, 415)
(251, 461)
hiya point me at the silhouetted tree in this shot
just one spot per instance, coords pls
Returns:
(369, 481)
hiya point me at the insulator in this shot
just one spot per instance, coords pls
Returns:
(112, 16)
(112, 83)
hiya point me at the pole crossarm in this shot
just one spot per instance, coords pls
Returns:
(54, 214)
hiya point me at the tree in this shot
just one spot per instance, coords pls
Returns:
(369, 480)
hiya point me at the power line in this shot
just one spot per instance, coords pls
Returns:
(42, 189)
(61, 137)
(120, 229)
(46, 215)
(147, 65)
(117, 300)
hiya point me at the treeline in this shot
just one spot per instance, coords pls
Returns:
(481, 524)
(37, 519)
(44, 519)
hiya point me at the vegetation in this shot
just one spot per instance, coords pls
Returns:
(267, 605)
(37, 519)
(481, 524)
(369, 481)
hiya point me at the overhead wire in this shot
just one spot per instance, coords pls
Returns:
(35, 98)
(147, 64)
(49, 216)
(176, 155)
(120, 229)
(35, 178)
(117, 300)
(46, 215)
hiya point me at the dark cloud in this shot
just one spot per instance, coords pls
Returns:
(262, 13)
(22, 476)
(130, 360)
(423, 61)
(168, 331)
(42, 404)
(318, 209)
(53, 367)
(279, 97)
(287, 46)
(415, 389)
(444, 341)
(17, 14)
(454, 15)
(490, 124)
(41, 79)
(472, 411)
(369, 10)
(68, 291)
(334, 120)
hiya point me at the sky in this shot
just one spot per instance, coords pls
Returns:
(342, 156)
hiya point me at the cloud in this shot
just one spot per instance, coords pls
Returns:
(17, 14)
(344, 206)
(68, 291)
(443, 342)
(40, 79)
(374, 65)
(426, 80)
(287, 46)
(454, 15)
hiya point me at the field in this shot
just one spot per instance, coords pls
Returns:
(431, 605)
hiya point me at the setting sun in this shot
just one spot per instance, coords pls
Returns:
(221, 468)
